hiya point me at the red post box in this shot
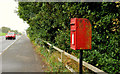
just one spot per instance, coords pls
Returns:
(81, 34)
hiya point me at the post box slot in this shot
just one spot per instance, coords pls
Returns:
(73, 27)
(72, 24)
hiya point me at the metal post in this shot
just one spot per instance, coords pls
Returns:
(61, 56)
(62, 59)
(80, 62)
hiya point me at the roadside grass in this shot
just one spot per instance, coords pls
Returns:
(51, 58)
(2, 34)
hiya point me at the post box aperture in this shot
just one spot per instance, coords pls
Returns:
(81, 33)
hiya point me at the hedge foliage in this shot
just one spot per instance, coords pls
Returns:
(50, 21)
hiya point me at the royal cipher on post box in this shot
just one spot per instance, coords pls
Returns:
(81, 34)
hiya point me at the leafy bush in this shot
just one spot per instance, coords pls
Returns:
(50, 21)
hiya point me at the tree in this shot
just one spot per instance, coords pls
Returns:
(5, 29)
(15, 31)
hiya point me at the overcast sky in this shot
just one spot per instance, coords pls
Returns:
(10, 19)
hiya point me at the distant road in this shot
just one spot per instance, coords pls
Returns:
(4, 44)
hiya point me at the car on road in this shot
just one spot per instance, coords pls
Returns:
(10, 35)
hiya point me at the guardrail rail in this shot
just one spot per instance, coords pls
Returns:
(89, 66)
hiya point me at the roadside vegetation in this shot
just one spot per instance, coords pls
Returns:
(2, 34)
(50, 21)
(5, 30)
(50, 58)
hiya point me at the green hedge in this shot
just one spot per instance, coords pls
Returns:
(50, 21)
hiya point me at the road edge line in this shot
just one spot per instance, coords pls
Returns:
(9, 46)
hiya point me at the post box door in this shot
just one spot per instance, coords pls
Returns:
(73, 33)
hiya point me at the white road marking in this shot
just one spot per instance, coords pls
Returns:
(9, 46)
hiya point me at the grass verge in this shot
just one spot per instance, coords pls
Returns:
(51, 59)
(2, 34)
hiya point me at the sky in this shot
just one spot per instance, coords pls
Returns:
(9, 18)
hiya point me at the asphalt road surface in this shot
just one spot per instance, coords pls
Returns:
(21, 57)
(4, 44)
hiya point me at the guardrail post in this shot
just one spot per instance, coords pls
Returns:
(61, 56)
(62, 59)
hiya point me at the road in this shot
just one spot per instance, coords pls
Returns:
(4, 44)
(21, 57)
